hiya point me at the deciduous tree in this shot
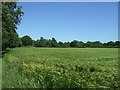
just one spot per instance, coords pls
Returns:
(26, 41)
(11, 17)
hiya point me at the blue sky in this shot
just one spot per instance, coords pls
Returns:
(67, 21)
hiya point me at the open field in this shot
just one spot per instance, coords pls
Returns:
(61, 68)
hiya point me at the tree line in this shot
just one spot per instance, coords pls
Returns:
(11, 18)
(42, 42)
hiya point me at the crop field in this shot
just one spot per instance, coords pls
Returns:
(30, 67)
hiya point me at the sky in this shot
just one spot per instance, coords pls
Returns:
(68, 21)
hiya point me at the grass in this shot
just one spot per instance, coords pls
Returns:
(61, 68)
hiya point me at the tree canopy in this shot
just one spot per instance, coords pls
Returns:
(11, 17)
(42, 42)
(26, 41)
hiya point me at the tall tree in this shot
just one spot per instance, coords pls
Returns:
(75, 43)
(42, 42)
(60, 44)
(49, 44)
(117, 44)
(54, 42)
(26, 41)
(110, 44)
(97, 44)
(11, 17)
(36, 43)
(81, 44)
(88, 44)
(66, 44)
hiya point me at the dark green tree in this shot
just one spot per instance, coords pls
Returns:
(60, 44)
(74, 43)
(36, 43)
(33, 42)
(81, 44)
(88, 44)
(11, 17)
(117, 44)
(26, 41)
(110, 44)
(48, 42)
(104, 45)
(54, 42)
(66, 45)
(97, 44)
(42, 42)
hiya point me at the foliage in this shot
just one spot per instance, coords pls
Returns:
(81, 44)
(54, 42)
(66, 45)
(117, 43)
(42, 42)
(11, 17)
(88, 44)
(97, 44)
(72, 44)
(61, 68)
(26, 41)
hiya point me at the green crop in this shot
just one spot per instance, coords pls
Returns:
(61, 68)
